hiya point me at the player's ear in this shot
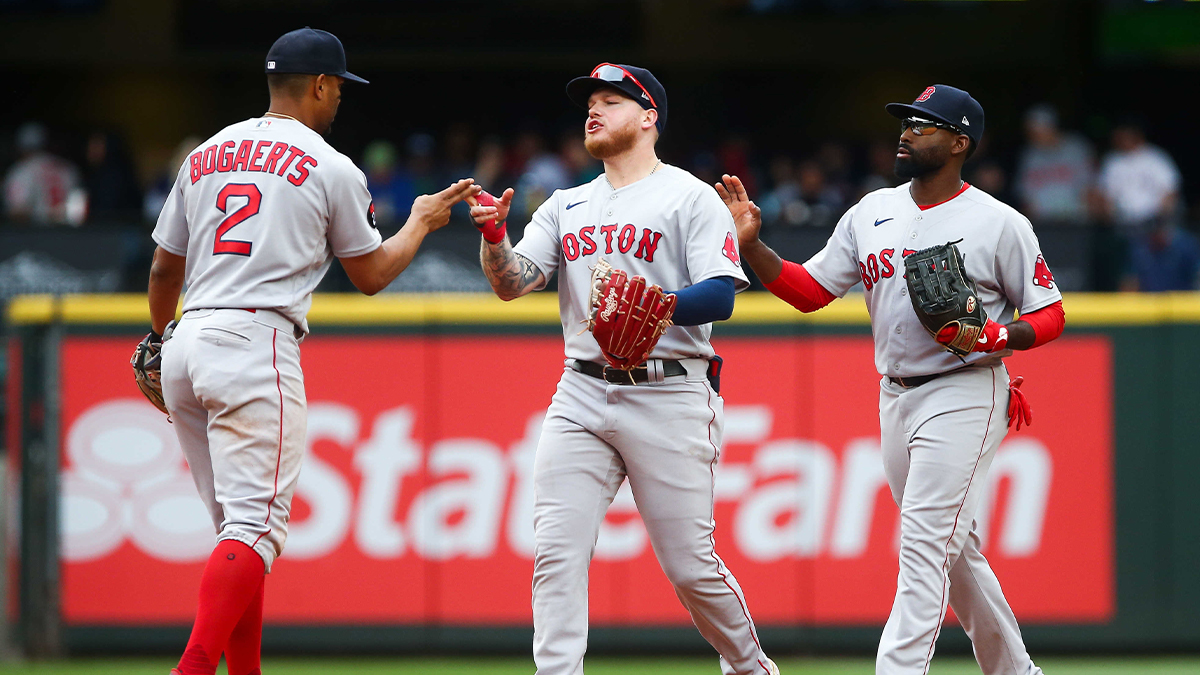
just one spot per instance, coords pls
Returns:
(650, 119)
(961, 145)
(320, 86)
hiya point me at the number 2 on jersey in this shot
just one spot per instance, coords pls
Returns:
(253, 201)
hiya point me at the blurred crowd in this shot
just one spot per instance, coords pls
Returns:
(1126, 188)
(530, 163)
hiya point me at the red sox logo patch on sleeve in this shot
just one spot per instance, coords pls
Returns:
(730, 250)
(1041, 274)
(925, 95)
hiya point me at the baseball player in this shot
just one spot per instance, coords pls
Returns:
(941, 416)
(658, 424)
(253, 222)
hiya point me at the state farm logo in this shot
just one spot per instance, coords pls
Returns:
(127, 481)
(373, 486)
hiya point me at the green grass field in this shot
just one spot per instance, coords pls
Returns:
(603, 666)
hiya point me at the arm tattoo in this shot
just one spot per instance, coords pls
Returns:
(510, 274)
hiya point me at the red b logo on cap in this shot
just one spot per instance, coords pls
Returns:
(925, 95)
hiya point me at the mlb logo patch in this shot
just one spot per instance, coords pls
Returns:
(270, 65)
(263, 124)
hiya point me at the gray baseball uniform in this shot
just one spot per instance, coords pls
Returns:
(939, 438)
(259, 210)
(664, 436)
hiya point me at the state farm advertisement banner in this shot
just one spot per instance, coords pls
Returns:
(415, 502)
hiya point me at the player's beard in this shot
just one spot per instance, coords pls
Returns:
(921, 162)
(619, 140)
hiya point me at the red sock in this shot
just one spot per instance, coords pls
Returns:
(232, 577)
(245, 643)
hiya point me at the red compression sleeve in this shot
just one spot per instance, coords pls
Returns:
(796, 287)
(1048, 323)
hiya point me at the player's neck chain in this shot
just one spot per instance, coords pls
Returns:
(961, 183)
(610, 185)
(281, 115)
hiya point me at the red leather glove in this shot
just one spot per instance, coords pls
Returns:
(993, 338)
(1018, 405)
(491, 232)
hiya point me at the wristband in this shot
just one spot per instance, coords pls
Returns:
(993, 337)
(492, 233)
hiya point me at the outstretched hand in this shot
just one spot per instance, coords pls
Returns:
(747, 217)
(434, 210)
(491, 214)
(486, 209)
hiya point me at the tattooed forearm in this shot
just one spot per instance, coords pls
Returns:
(510, 274)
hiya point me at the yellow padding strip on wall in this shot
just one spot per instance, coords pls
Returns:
(1083, 309)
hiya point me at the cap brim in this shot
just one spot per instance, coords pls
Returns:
(581, 88)
(353, 78)
(905, 110)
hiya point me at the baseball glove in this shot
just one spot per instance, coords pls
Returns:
(147, 367)
(627, 316)
(944, 297)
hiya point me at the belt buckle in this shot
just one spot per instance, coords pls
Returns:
(618, 376)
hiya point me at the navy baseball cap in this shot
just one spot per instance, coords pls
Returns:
(638, 84)
(943, 103)
(311, 52)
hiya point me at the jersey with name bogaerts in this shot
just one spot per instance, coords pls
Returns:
(1000, 252)
(668, 227)
(260, 210)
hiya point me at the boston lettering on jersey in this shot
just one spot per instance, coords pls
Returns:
(622, 236)
(252, 156)
(879, 266)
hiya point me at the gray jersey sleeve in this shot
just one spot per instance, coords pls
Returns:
(171, 230)
(712, 244)
(835, 267)
(540, 243)
(351, 213)
(1021, 270)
